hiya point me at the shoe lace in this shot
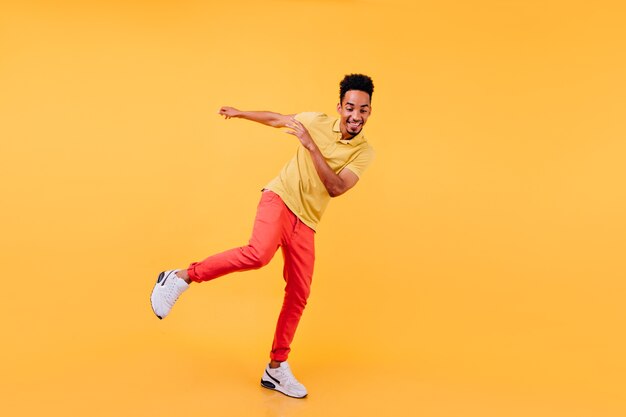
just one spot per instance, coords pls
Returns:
(288, 377)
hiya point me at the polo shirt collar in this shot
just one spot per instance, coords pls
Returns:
(354, 141)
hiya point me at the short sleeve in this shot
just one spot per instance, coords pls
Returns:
(363, 160)
(306, 118)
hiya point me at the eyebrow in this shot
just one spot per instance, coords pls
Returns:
(352, 104)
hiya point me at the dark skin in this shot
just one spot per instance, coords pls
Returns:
(354, 110)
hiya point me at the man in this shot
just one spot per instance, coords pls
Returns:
(333, 155)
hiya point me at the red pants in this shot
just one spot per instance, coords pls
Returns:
(275, 226)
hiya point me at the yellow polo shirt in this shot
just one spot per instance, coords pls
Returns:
(298, 183)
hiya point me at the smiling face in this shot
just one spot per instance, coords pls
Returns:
(354, 110)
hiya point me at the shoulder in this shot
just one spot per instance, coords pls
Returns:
(362, 159)
(367, 151)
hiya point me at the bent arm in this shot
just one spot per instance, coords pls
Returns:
(267, 118)
(336, 184)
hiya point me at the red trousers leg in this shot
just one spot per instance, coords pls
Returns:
(264, 242)
(299, 256)
(274, 226)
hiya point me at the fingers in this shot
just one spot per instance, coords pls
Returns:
(297, 122)
(294, 129)
(224, 111)
(295, 125)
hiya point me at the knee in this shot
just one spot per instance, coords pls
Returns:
(259, 256)
(298, 296)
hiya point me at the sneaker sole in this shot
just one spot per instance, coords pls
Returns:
(151, 306)
(159, 278)
(270, 385)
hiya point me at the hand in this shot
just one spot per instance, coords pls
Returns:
(299, 131)
(229, 112)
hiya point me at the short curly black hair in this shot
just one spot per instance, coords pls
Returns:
(358, 82)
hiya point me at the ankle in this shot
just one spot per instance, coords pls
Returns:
(275, 364)
(182, 274)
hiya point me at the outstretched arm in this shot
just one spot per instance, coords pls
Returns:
(267, 118)
(336, 184)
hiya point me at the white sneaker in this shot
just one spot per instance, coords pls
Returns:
(282, 380)
(166, 291)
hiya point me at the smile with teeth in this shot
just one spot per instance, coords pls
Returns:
(354, 124)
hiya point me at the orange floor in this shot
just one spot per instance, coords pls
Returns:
(105, 354)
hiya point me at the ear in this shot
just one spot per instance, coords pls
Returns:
(338, 107)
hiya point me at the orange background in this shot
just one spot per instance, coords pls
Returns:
(476, 270)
